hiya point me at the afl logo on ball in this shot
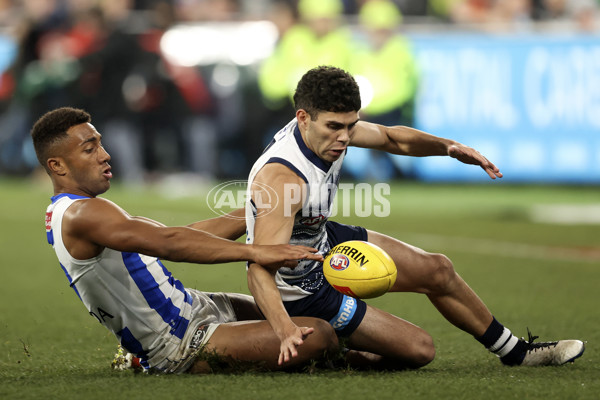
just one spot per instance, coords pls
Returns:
(339, 262)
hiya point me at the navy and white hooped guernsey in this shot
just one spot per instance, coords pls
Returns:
(321, 179)
(133, 295)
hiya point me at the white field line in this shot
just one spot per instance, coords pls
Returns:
(567, 214)
(504, 249)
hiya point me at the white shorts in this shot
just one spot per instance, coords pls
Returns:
(209, 310)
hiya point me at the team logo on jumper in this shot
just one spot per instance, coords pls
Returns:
(339, 262)
(310, 221)
(48, 221)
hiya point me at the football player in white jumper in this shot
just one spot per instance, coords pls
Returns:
(112, 261)
(301, 166)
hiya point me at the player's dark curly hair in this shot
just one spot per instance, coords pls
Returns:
(52, 127)
(327, 89)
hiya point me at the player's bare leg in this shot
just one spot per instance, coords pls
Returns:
(254, 344)
(384, 341)
(434, 275)
(245, 307)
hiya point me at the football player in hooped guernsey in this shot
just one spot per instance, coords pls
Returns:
(302, 166)
(111, 260)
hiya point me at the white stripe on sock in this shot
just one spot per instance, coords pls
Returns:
(506, 334)
(508, 346)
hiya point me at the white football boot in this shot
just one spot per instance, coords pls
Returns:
(124, 360)
(551, 353)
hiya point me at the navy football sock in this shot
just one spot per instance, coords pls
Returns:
(499, 340)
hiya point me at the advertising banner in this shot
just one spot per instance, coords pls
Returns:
(530, 104)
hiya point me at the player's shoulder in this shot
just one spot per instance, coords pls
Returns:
(93, 208)
(274, 173)
(93, 202)
(281, 140)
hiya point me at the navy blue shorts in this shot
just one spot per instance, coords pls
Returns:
(343, 312)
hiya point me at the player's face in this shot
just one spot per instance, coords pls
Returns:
(329, 135)
(87, 161)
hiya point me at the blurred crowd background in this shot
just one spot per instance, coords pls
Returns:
(198, 87)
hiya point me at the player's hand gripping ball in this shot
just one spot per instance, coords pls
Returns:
(359, 269)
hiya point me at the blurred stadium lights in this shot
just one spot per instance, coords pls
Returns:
(225, 79)
(212, 43)
(366, 90)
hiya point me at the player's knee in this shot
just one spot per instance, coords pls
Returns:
(442, 275)
(427, 353)
(423, 351)
(324, 338)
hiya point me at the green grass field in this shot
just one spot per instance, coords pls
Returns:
(540, 275)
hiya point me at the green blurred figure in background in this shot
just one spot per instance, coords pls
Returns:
(319, 38)
(386, 61)
(385, 68)
(382, 61)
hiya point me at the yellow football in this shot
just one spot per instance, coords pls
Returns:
(359, 269)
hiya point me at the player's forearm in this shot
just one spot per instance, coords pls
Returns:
(184, 244)
(261, 284)
(413, 142)
(230, 226)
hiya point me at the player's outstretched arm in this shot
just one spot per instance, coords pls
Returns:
(93, 224)
(468, 155)
(404, 140)
(229, 226)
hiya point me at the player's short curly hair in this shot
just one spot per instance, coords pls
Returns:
(327, 89)
(52, 127)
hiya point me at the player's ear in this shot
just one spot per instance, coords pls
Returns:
(57, 165)
(303, 118)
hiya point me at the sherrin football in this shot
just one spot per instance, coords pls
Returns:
(359, 269)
